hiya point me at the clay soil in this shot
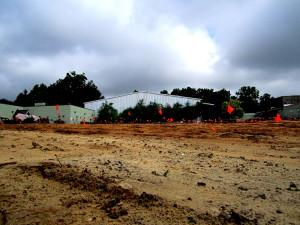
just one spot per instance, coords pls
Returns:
(150, 173)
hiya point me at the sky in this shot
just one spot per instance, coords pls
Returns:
(151, 45)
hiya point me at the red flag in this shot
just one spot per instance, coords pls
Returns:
(229, 109)
(160, 111)
(277, 118)
(57, 107)
(129, 114)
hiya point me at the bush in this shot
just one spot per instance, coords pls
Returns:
(28, 120)
(59, 121)
(43, 120)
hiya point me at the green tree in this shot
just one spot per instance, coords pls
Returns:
(187, 92)
(126, 115)
(248, 96)
(137, 113)
(238, 111)
(219, 97)
(140, 111)
(108, 113)
(5, 101)
(152, 112)
(177, 112)
(205, 94)
(266, 102)
(23, 99)
(189, 112)
(168, 112)
(39, 93)
(175, 91)
(73, 89)
(214, 97)
(164, 92)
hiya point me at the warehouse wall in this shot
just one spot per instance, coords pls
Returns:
(70, 114)
(77, 114)
(8, 110)
(130, 100)
(292, 111)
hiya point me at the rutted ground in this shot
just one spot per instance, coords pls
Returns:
(150, 174)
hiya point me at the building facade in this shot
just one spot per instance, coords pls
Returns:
(125, 101)
(287, 100)
(7, 111)
(290, 112)
(70, 114)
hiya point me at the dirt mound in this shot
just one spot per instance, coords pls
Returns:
(117, 202)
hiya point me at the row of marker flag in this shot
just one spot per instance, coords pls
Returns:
(230, 109)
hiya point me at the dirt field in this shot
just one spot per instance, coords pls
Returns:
(150, 174)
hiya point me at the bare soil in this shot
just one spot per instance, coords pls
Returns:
(150, 173)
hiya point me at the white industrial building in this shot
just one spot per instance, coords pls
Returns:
(70, 114)
(125, 101)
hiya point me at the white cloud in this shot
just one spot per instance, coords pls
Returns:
(120, 11)
(196, 49)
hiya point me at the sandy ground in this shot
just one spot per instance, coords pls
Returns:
(150, 174)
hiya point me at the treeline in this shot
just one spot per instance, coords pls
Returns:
(74, 89)
(247, 99)
(250, 99)
(155, 112)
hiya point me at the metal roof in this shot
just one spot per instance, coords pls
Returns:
(122, 102)
(147, 92)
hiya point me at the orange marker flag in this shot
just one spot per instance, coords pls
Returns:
(277, 118)
(213, 128)
(57, 107)
(229, 109)
(160, 111)
(129, 114)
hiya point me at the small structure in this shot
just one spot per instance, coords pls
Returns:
(22, 112)
(290, 112)
(288, 107)
(287, 100)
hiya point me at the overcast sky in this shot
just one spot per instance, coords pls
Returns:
(151, 45)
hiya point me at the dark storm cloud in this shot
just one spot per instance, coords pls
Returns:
(268, 38)
(42, 28)
(151, 45)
